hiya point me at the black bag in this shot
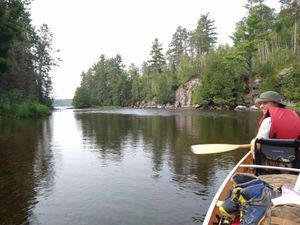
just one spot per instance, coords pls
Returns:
(278, 152)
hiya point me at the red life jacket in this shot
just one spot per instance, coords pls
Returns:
(285, 123)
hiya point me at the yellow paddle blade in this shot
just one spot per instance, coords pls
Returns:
(216, 148)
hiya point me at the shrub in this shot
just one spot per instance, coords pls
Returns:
(24, 109)
(31, 109)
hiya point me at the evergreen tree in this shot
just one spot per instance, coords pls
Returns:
(251, 31)
(44, 62)
(157, 61)
(288, 22)
(26, 57)
(204, 38)
(114, 71)
(101, 81)
(124, 90)
(136, 91)
(11, 14)
(178, 47)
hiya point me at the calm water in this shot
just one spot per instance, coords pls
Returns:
(111, 167)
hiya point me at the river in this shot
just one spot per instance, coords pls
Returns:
(116, 166)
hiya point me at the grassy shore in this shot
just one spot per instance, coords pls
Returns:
(24, 110)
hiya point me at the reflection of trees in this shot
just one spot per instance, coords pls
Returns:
(110, 131)
(220, 127)
(107, 131)
(171, 136)
(26, 160)
(209, 127)
(25, 167)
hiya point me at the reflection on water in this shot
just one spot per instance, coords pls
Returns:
(121, 166)
(26, 169)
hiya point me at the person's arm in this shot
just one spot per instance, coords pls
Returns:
(263, 132)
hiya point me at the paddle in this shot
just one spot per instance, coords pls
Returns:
(216, 148)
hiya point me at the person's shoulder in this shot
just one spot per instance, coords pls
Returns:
(267, 120)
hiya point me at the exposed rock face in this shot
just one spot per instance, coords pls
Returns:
(183, 95)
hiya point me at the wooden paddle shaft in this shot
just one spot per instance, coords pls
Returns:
(245, 146)
(216, 148)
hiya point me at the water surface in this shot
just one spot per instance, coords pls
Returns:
(119, 166)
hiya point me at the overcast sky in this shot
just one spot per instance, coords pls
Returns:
(85, 29)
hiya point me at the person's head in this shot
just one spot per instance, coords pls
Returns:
(269, 99)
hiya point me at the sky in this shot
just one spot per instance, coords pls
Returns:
(83, 30)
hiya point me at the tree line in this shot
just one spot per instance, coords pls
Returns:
(265, 47)
(26, 58)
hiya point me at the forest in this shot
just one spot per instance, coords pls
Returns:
(265, 47)
(26, 59)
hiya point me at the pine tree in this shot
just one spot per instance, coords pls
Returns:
(250, 32)
(43, 63)
(157, 61)
(204, 38)
(178, 47)
(288, 20)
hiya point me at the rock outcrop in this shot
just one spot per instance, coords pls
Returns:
(183, 95)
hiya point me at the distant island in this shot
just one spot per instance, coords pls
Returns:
(62, 102)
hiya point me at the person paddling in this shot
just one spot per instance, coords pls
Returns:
(277, 122)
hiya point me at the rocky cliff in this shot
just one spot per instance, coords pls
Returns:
(183, 95)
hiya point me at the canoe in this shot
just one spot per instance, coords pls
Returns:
(245, 165)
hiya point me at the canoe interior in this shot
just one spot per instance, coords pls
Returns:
(244, 166)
